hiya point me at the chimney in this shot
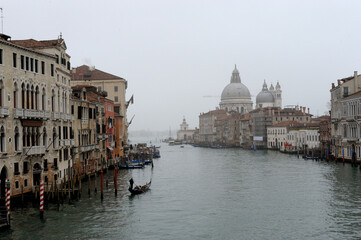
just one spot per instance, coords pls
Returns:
(308, 110)
(338, 82)
(355, 81)
(304, 109)
(301, 108)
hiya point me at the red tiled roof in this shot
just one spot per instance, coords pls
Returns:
(32, 43)
(85, 73)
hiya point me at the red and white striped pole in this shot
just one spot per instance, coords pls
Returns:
(7, 198)
(41, 200)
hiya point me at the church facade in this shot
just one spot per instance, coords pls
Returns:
(236, 96)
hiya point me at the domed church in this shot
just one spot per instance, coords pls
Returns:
(269, 98)
(236, 96)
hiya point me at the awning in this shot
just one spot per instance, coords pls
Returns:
(110, 148)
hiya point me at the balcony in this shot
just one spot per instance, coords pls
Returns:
(72, 142)
(66, 142)
(87, 148)
(4, 111)
(34, 150)
(56, 116)
(31, 113)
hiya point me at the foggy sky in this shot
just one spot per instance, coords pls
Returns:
(173, 53)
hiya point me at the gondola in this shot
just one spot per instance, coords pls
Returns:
(138, 189)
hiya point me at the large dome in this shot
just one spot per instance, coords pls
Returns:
(235, 90)
(236, 96)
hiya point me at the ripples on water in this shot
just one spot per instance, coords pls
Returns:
(199, 193)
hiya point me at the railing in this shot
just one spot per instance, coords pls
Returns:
(34, 150)
(72, 142)
(4, 111)
(61, 143)
(56, 115)
(18, 112)
(66, 142)
(87, 148)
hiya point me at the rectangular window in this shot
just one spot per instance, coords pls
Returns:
(14, 60)
(345, 91)
(27, 63)
(25, 167)
(32, 64)
(36, 65)
(1, 56)
(22, 62)
(16, 168)
(68, 63)
(57, 58)
(115, 88)
(116, 99)
(42, 67)
(52, 70)
(99, 89)
(45, 165)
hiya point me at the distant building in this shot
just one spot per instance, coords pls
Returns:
(236, 96)
(262, 118)
(114, 86)
(269, 98)
(346, 117)
(184, 134)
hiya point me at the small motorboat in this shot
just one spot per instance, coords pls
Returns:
(138, 189)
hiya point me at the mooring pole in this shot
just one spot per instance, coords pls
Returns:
(41, 200)
(115, 181)
(89, 185)
(7, 192)
(101, 184)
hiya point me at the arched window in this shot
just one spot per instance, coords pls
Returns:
(59, 101)
(32, 97)
(52, 100)
(44, 137)
(15, 95)
(23, 92)
(17, 139)
(2, 139)
(37, 98)
(2, 93)
(54, 138)
(27, 96)
(43, 100)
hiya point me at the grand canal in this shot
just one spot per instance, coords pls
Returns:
(200, 193)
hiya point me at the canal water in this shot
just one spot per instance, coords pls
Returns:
(200, 193)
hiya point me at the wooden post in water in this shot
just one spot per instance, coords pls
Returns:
(95, 182)
(41, 200)
(22, 196)
(69, 183)
(89, 185)
(115, 181)
(101, 184)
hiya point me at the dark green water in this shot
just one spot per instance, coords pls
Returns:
(201, 193)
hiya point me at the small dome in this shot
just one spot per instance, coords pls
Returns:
(264, 97)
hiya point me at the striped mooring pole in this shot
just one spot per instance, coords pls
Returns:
(7, 198)
(41, 200)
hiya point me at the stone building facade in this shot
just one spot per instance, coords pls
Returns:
(114, 86)
(35, 119)
(345, 114)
